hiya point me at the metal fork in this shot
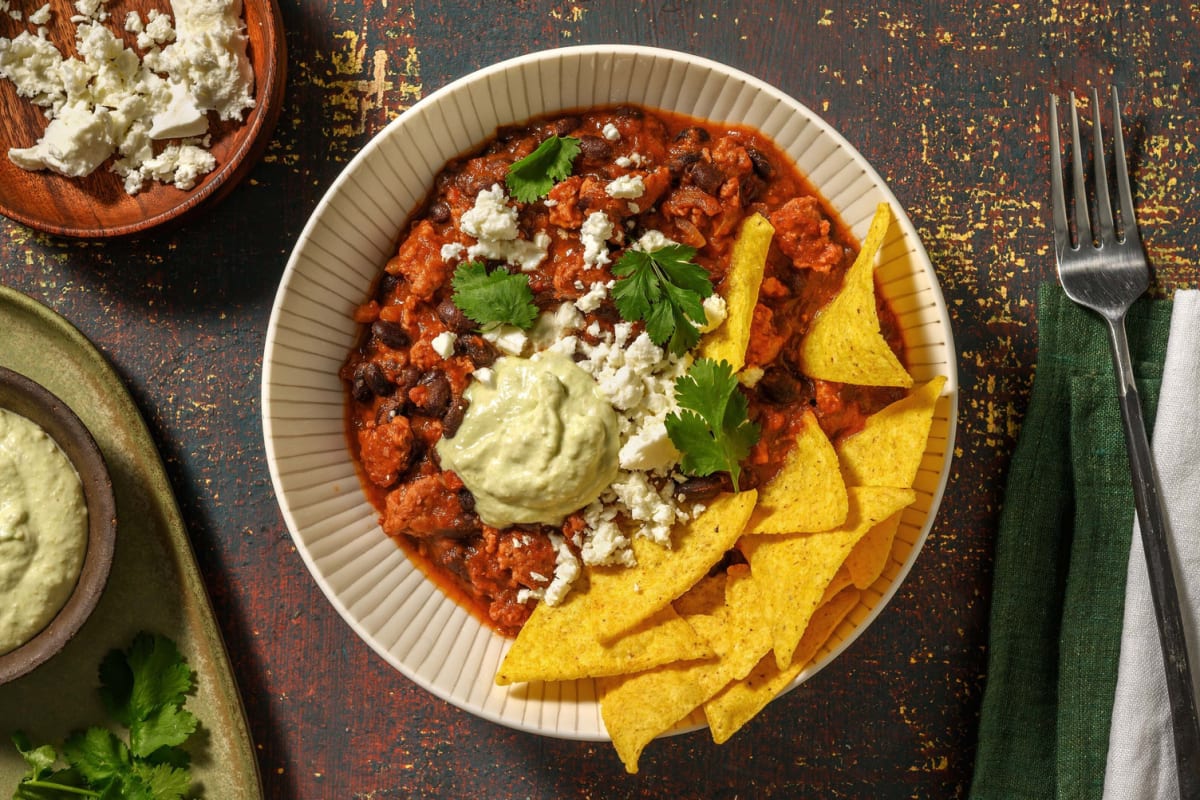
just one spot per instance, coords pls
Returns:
(1106, 270)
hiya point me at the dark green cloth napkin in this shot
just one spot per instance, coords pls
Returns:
(1062, 549)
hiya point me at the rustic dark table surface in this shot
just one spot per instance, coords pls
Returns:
(946, 99)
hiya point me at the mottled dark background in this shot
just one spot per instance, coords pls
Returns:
(946, 99)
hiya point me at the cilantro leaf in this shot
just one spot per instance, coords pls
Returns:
(712, 429)
(97, 754)
(666, 289)
(40, 760)
(535, 175)
(144, 689)
(493, 297)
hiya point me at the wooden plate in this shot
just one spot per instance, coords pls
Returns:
(97, 206)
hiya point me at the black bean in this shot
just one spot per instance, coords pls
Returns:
(564, 125)
(466, 500)
(593, 148)
(439, 212)
(693, 134)
(698, 489)
(680, 163)
(359, 389)
(406, 378)
(479, 350)
(376, 380)
(388, 410)
(453, 317)
(707, 176)
(628, 112)
(762, 165)
(390, 334)
(781, 387)
(437, 393)
(454, 417)
(388, 284)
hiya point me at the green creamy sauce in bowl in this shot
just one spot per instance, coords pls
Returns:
(43, 529)
(538, 441)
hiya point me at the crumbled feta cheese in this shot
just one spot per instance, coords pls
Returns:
(493, 223)
(108, 101)
(652, 240)
(593, 298)
(485, 376)
(443, 344)
(508, 339)
(626, 187)
(611, 133)
(552, 326)
(715, 312)
(631, 160)
(452, 251)
(566, 571)
(594, 233)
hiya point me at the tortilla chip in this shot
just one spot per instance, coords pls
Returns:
(889, 448)
(740, 701)
(841, 579)
(638, 708)
(844, 343)
(706, 597)
(558, 643)
(621, 597)
(871, 553)
(746, 265)
(824, 622)
(808, 493)
(793, 570)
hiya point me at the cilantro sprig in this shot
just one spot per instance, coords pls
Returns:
(144, 689)
(712, 429)
(535, 175)
(665, 288)
(496, 297)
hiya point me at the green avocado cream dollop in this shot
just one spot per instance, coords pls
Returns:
(537, 442)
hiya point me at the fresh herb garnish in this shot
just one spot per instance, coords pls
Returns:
(492, 298)
(667, 290)
(535, 175)
(712, 429)
(144, 689)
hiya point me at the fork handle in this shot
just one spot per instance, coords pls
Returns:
(1184, 721)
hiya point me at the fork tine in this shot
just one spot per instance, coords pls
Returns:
(1058, 200)
(1100, 174)
(1083, 225)
(1128, 221)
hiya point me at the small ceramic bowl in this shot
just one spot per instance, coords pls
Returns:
(32, 401)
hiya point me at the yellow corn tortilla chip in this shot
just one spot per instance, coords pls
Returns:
(844, 343)
(706, 597)
(741, 700)
(870, 554)
(621, 597)
(824, 622)
(557, 644)
(638, 708)
(793, 570)
(808, 493)
(841, 579)
(889, 448)
(746, 266)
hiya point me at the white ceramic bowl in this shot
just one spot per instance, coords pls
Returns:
(382, 595)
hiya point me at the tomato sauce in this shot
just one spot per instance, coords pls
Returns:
(700, 181)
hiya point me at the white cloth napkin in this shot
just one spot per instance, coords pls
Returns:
(1141, 752)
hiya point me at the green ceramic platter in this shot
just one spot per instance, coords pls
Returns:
(154, 585)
